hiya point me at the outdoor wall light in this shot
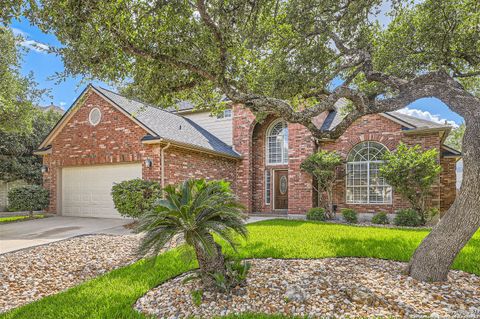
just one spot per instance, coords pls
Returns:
(44, 168)
(148, 162)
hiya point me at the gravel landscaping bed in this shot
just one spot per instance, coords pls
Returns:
(36, 272)
(340, 287)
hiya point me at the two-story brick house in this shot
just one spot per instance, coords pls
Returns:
(105, 138)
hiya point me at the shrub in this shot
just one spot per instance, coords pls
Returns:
(324, 166)
(380, 219)
(316, 213)
(134, 197)
(407, 217)
(350, 215)
(28, 198)
(411, 172)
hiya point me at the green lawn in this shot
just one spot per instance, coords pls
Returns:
(112, 295)
(17, 218)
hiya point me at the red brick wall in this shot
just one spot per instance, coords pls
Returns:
(182, 164)
(448, 183)
(380, 129)
(243, 124)
(117, 139)
(249, 140)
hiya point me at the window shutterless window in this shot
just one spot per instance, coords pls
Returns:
(364, 184)
(268, 183)
(277, 143)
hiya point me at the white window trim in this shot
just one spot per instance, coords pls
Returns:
(269, 188)
(267, 152)
(90, 116)
(389, 202)
(223, 117)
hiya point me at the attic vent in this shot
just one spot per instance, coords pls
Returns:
(94, 116)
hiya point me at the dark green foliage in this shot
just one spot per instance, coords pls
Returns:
(197, 297)
(455, 137)
(324, 167)
(350, 215)
(197, 210)
(407, 217)
(316, 213)
(412, 172)
(380, 219)
(18, 93)
(17, 161)
(134, 197)
(112, 295)
(28, 198)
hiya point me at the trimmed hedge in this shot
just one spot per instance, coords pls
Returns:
(407, 217)
(28, 198)
(316, 213)
(380, 219)
(134, 197)
(350, 215)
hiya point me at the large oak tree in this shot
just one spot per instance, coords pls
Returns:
(294, 59)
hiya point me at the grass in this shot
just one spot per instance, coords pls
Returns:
(112, 295)
(18, 218)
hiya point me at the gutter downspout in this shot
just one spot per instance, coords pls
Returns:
(162, 160)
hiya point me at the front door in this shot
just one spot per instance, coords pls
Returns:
(281, 189)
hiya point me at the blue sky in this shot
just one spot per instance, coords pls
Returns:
(44, 65)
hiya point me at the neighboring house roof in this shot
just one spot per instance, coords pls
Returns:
(51, 107)
(160, 124)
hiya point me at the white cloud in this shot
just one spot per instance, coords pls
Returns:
(35, 46)
(427, 116)
(62, 104)
(18, 32)
(29, 43)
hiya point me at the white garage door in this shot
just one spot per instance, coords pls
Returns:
(86, 189)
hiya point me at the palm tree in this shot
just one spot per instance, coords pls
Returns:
(196, 209)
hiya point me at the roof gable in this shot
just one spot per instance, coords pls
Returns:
(158, 123)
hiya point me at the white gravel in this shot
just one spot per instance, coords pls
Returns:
(36, 272)
(340, 287)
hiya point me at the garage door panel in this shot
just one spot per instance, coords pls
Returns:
(86, 189)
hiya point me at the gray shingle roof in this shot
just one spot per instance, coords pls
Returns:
(334, 118)
(169, 126)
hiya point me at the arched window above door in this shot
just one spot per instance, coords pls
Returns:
(277, 143)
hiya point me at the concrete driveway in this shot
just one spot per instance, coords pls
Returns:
(19, 235)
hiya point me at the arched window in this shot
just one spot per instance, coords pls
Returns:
(364, 184)
(277, 143)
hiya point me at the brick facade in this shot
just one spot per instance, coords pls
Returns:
(117, 139)
(249, 139)
(380, 129)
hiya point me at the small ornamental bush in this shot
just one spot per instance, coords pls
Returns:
(316, 213)
(134, 197)
(407, 217)
(28, 198)
(350, 215)
(380, 219)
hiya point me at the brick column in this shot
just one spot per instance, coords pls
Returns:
(300, 192)
(243, 124)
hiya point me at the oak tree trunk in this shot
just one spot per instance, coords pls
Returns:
(210, 263)
(435, 255)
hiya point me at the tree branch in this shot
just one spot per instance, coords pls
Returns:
(207, 19)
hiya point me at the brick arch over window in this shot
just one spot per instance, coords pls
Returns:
(364, 185)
